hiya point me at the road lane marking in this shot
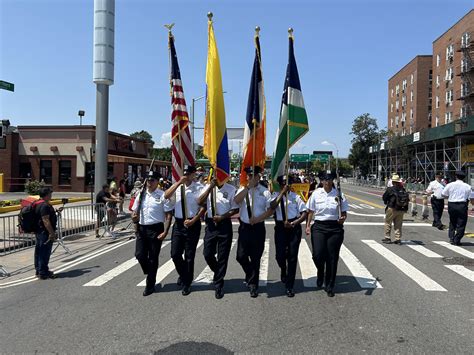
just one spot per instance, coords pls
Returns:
(416, 275)
(264, 265)
(362, 275)
(166, 269)
(365, 201)
(111, 274)
(365, 214)
(463, 271)
(407, 224)
(307, 267)
(207, 275)
(421, 249)
(456, 249)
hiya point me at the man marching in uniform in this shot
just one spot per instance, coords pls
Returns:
(150, 215)
(435, 188)
(327, 232)
(187, 226)
(254, 204)
(458, 194)
(218, 237)
(290, 212)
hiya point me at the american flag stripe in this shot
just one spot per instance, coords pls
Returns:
(180, 119)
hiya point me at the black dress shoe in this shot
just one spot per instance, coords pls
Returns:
(330, 293)
(451, 242)
(253, 292)
(179, 282)
(290, 293)
(219, 293)
(387, 241)
(398, 241)
(148, 291)
(458, 244)
(186, 290)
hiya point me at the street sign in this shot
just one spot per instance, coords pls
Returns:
(323, 158)
(299, 158)
(7, 86)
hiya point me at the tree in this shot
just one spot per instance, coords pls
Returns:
(163, 154)
(144, 135)
(365, 133)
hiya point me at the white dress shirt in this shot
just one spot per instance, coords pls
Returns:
(436, 188)
(295, 204)
(152, 208)
(262, 197)
(224, 200)
(192, 193)
(325, 206)
(457, 191)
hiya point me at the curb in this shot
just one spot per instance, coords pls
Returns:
(56, 202)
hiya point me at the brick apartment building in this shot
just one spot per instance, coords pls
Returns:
(453, 68)
(433, 90)
(409, 97)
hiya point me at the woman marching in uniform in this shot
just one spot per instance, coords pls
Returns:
(327, 232)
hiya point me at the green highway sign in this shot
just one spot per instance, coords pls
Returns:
(7, 86)
(323, 158)
(299, 158)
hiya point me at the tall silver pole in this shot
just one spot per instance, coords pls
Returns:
(101, 136)
(192, 122)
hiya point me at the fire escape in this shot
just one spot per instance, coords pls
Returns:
(466, 71)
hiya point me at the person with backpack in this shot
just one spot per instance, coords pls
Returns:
(396, 199)
(45, 233)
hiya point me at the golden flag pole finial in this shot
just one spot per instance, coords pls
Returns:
(209, 15)
(290, 31)
(169, 27)
(257, 31)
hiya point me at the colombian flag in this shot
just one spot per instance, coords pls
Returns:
(215, 132)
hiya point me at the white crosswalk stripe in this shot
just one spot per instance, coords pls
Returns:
(463, 271)
(166, 269)
(307, 267)
(363, 276)
(421, 249)
(264, 265)
(456, 249)
(416, 275)
(206, 276)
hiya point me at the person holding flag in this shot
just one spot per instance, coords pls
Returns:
(291, 211)
(220, 202)
(252, 198)
(184, 193)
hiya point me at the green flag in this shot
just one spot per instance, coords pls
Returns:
(293, 119)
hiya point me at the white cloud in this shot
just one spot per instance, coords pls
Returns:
(165, 141)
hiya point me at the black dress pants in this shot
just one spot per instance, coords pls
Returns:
(184, 240)
(458, 212)
(437, 204)
(326, 240)
(218, 240)
(287, 244)
(250, 248)
(147, 250)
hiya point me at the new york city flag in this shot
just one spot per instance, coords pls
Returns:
(215, 131)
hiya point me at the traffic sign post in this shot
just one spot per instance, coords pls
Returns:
(5, 85)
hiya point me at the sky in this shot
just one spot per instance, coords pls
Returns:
(345, 51)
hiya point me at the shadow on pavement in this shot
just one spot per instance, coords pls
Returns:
(75, 272)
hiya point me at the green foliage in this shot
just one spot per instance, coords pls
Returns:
(6, 203)
(163, 154)
(143, 135)
(33, 187)
(365, 133)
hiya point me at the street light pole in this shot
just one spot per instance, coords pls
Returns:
(192, 121)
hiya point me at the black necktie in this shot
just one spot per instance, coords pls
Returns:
(247, 202)
(282, 207)
(213, 203)
(183, 202)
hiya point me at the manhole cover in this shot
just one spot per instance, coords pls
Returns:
(459, 260)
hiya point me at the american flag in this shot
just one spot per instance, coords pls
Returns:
(179, 116)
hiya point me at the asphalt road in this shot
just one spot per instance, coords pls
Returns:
(416, 297)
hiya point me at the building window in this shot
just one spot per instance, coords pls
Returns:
(404, 85)
(447, 117)
(65, 172)
(391, 122)
(449, 97)
(449, 52)
(438, 59)
(411, 96)
(437, 81)
(449, 74)
(404, 101)
(396, 121)
(391, 107)
(464, 89)
(25, 171)
(391, 93)
(411, 114)
(411, 130)
(412, 79)
(46, 171)
(397, 89)
(397, 104)
(465, 39)
(436, 121)
(437, 101)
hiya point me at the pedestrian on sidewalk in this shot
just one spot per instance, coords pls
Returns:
(329, 212)
(396, 200)
(435, 189)
(290, 212)
(220, 205)
(153, 227)
(103, 198)
(458, 194)
(45, 234)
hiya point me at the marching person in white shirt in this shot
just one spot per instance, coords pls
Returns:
(290, 212)
(218, 237)
(435, 189)
(252, 232)
(152, 229)
(187, 226)
(327, 232)
(458, 194)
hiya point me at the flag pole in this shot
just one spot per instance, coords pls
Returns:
(254, 121)
(290, 35)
